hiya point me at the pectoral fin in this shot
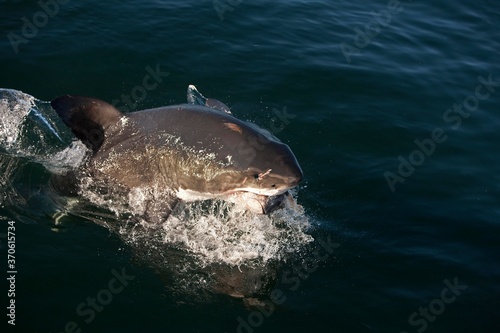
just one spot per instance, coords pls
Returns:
(87, 117)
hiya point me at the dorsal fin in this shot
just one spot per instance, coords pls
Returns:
(195, 97)
(87, 117)
(217, 105)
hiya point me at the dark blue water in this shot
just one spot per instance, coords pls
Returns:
(392, 109)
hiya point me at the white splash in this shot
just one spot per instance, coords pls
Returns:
(218, 231)
(29, 129)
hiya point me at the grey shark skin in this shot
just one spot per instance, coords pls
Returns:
(196, 152)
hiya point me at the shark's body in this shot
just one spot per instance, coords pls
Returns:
(194, 151)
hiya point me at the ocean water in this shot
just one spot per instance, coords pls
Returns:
(391, 108)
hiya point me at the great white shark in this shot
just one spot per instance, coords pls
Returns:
(193, 151)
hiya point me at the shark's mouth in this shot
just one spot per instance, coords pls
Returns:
(260, 204)
(249, 200)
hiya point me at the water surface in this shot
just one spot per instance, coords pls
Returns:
(352, 121)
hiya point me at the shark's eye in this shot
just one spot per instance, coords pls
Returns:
(256, 176)
(274, 185)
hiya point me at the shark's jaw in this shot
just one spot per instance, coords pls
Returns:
(260, 201)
